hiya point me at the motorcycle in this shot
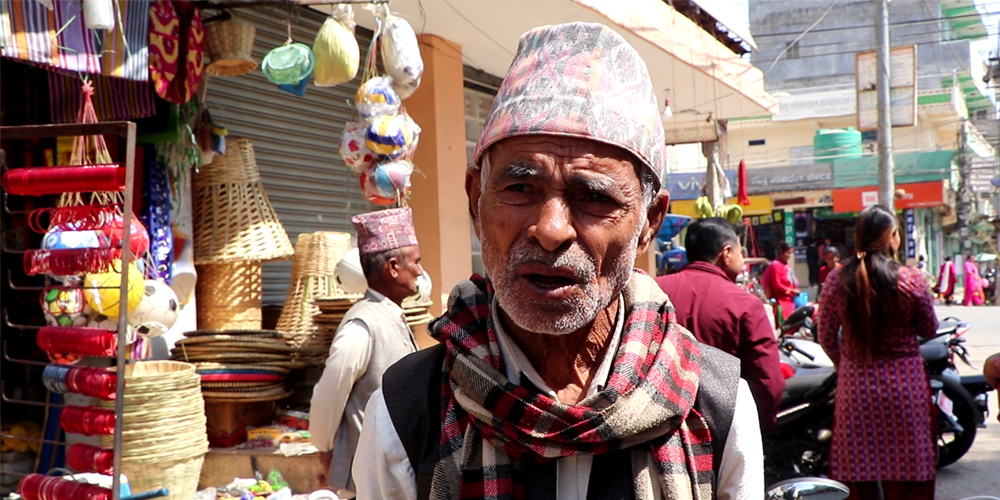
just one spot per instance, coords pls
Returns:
(813, 488)
(962, 400)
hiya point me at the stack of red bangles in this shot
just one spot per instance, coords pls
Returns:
(39, 487)
(88, 421)
(80, 340)
(96, 382)
(87, 458)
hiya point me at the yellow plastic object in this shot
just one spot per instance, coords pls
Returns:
(337, 54)
(102, 292)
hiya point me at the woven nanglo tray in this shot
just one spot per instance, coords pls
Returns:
(239, 358)
(237, 386)
(226, 341)
(263, 334)
(270, 395)
(209, 367)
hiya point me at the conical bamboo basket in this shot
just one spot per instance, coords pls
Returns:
(316, 258)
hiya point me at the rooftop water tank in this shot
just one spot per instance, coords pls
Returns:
(836, 143)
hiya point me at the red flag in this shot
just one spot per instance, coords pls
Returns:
(741, 194)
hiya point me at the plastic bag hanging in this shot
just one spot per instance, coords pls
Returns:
(336, 50)
(401, 55)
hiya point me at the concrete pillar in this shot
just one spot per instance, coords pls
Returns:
(438, 200)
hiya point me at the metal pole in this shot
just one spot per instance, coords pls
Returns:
(886, 181)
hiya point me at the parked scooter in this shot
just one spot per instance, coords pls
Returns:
(812, 488)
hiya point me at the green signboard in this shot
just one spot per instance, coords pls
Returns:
(910, 168)
(789, 227)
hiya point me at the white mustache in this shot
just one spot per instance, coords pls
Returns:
(579, 262)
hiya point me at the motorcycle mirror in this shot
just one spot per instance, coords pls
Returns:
(813, 488)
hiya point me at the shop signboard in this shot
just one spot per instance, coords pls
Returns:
(910, 217)
(910, 168)
(789, 218)
(688, 185)
(916, 195)
(802, 200)
(902, 87)
(789, 178)
(982, 171)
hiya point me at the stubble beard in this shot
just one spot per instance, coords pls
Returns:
(570, 315)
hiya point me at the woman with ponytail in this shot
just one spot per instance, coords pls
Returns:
(872, 310)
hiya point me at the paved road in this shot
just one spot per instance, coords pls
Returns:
(978, 472)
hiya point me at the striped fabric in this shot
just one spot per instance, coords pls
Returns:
(114, 98)
(492, 430)
(58, 39)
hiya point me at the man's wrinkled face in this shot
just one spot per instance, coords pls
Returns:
(560, 221)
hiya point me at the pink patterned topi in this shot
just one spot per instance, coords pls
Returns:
(385, 230)
(579, 80)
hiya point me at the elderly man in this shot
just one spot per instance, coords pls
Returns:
(564, 374)
(372, 336)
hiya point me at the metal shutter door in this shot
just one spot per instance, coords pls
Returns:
(295, 138)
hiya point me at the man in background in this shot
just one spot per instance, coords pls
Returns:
(372, 336)
(719, 313)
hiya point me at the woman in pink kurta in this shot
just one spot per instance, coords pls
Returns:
(871, 312)
(779, 282)
(973, 282)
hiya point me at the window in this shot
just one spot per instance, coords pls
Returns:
(791, 50)
(757, 142)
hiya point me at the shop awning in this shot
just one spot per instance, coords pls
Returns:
(915, 195)
(910, 168)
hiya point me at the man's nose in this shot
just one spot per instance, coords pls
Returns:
(554, 227)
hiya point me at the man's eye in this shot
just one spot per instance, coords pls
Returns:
(516, 188)
(598, 198)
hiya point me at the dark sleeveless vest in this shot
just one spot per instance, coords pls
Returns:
(412, 392)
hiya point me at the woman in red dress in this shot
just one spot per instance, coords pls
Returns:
(872, 310)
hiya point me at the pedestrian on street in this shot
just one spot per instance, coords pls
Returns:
(946, 281)
(779, 281)
(564, 374)
(973, 283)
(884, 427)
(991, 370)
(721, 314)
(831, 259)
(372, 336)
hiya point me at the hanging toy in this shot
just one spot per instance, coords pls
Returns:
(102, 290)
(63, 306)
(353, 149)
(336, 50)
(58, 239)
(390, 179)
(376, 98)
(156, 311)
(388, 135)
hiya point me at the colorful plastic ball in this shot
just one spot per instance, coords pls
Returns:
(111, 323)
(157, 310)
(57, 239)
(64, 307)
(66, 358)
(139, 236)
(392, 178)
(388, 135)
(371, 192)
(376, 97)
(353, 149)
(102, 290)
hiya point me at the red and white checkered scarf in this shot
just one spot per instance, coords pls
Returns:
(492, 428)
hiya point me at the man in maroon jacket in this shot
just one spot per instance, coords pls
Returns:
(723, 315)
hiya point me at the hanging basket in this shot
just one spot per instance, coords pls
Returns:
(229, 45)
(229, 296)
(233, 219)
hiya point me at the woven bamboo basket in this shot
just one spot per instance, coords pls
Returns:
(229, 45)
(316, 258)
(164, 438)
(229, 296)
(233, 219)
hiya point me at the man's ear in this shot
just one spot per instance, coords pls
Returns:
(473, 189)
(392, 266)
(654, 219)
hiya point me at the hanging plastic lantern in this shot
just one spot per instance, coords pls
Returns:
(388, 135)
(401, 55)
(353, 149)
(376, 97)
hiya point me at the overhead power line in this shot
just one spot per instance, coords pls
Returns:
(757, 36)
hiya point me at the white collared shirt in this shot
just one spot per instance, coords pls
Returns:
(347, 362)
(383, 471)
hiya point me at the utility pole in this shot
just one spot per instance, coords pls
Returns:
(886, 181)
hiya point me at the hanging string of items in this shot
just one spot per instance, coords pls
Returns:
(88, 458)
(73, 218)
(40, 181)
(380, 145)
(95, 382)
(82, 340)
(41, 487)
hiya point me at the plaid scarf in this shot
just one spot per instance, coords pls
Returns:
(492, 429)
